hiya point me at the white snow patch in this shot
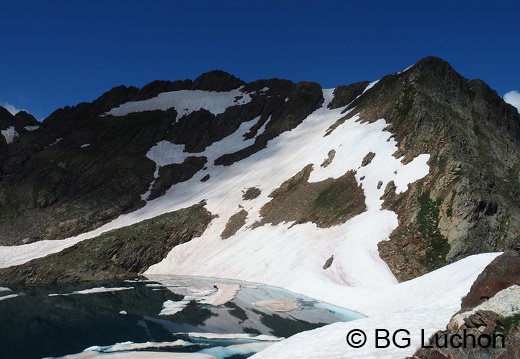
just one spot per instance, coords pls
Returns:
(171, 307)
(262, 129)
(8, 296)
(145, 195)
(166, 153)
(225, 293)
(148, 345)
(15, 255)
(31, 128)
(93, 291)
(260, 337)
(9, 134)
(185, 102)
(55, 142)
(404, 70)
(219, 294)
(369, 86)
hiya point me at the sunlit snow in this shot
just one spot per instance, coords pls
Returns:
(185, 102)
(8, 296)
(93, 291)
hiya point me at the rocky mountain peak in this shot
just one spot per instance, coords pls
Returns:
(217, 80)
(432, 63)
(26, 119)
(471, 195)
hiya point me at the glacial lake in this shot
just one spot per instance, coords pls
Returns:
(215, 318)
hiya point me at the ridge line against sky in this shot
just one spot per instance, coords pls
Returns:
(60, 53)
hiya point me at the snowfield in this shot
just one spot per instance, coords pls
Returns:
(9, 134)
(292, 256)
(185, 102)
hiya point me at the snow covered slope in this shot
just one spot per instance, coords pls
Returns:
(278, 250)
(292, 255)
(185, 102)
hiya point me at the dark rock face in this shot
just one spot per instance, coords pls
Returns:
(501, 273)
(81, 169)
(19, 122)
(344, 95)
(176, 173)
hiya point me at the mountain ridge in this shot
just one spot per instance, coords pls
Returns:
(426, 161)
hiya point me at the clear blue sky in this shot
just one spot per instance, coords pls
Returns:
(57, 53)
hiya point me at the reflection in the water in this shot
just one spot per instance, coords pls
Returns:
(212, 317)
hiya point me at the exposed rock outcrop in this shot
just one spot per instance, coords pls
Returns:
(117, 254)
(325, 203)
(488, 324)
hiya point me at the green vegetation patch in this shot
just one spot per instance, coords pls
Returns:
(326, 203)
(428, 220)
(406, 100)
(507, 323)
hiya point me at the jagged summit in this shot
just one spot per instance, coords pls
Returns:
(217, 80)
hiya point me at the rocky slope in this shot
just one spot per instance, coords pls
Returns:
(469, 203)
(82, 168)
(488, 324)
